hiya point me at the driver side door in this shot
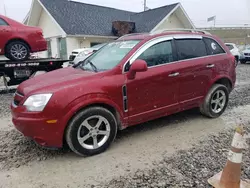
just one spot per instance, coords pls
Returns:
(153, 93)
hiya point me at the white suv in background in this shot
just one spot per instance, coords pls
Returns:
(82, 53)
(234, 50)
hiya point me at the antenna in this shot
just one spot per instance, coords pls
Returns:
(145, 5)
(4, 8)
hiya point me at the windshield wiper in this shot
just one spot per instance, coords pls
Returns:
(92, 66)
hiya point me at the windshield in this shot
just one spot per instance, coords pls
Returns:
(98, 46)
(109, 56)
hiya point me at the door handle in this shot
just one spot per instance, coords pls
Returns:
(174, 74)
(210, 66)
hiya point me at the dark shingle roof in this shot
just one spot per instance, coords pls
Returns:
(77, 18)
(146, 21)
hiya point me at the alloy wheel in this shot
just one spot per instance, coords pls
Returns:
(18, 51)
(218, 101)
(93, 132)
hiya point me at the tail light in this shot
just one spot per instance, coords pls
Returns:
(39, 32)
(234, 60)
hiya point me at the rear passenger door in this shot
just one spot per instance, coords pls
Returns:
(195, 70)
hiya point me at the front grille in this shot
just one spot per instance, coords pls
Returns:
(247, 54)
(72, 57)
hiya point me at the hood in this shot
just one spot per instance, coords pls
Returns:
(56, 80)
(246, 51)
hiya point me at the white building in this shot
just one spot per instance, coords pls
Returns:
(68, 25)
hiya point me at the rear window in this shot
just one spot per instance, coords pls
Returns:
(190, 48)
(213, 47)
(230, 47)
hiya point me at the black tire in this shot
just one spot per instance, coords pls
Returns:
(206, 107)
(71, 134)
(237, 58)
(243, 61)
(236, 61)
(10, 56)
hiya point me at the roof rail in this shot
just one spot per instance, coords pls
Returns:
(132, 34)
(180, 29)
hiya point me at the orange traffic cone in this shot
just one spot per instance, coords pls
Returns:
(230, 176)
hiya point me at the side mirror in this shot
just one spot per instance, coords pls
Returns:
(137, 66)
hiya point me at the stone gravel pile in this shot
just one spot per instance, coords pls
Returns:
(190, 168)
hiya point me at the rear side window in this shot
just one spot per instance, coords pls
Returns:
(213, 47)
(2, 22)
(230, 47)
(190, 48)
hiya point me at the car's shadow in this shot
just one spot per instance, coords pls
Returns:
(158, 123)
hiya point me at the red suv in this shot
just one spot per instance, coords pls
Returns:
(132, 80)
(17, 41)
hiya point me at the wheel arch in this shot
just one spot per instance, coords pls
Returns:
(109, 107)
(16, 39)
(226, 82)
(105, 103)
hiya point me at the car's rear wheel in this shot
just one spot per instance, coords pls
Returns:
(91, 131)
(243, 61)
(215, 102)
(17, 51)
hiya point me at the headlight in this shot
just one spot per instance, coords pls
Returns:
(36, 103)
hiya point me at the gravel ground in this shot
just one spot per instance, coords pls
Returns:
(17, 150)
(190, 168)
(185, 169)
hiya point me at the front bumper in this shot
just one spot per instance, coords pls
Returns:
(36, 127)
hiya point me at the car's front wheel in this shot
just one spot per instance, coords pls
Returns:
(91, 131)
(17, 51)
(215, 102)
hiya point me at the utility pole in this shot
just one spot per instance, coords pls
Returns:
(145, 5)
(4, 8)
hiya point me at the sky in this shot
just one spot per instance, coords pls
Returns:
(228, 12)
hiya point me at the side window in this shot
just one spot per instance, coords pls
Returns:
(190, 48)
(2, 22)
(213, 47)
(158, 54)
